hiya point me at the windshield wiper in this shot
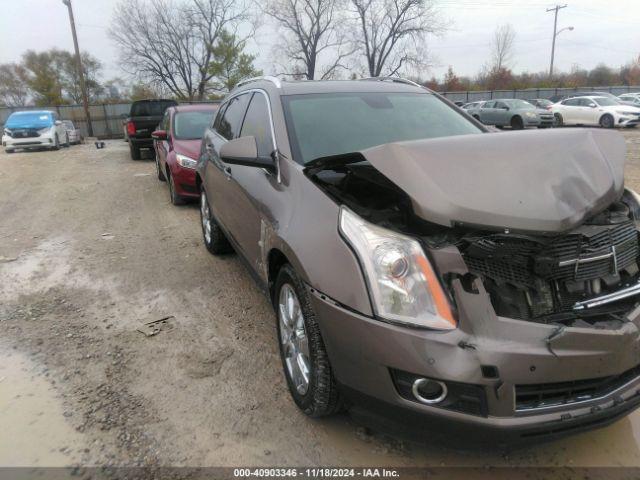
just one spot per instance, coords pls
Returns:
(323, 163)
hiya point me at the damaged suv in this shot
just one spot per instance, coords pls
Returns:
(419, 264)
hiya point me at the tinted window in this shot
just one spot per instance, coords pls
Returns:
(488, 104)
(572, 102)
(191, 125)
(501, 105)
(604, 102)
(257, 123)
(230, 122)
(335, 123)
(151, 109)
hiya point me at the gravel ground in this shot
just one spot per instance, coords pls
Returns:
(90, 251)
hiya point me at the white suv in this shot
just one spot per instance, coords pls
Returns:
(595, 110)
(34, 129)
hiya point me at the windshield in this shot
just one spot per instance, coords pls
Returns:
(191, 125)
(68, 124)
(544, 103)
(605, 102)
(327, 124)
(154, 108)
(29, 120)
(520, 104)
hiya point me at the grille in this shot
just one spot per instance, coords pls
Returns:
(519, 261)
(543, 395)
(24, 133)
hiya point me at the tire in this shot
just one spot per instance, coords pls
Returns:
(304, 358)
(516, 123)
(215, 239)
(135, 152)
(499, 127)
(558, 120)
(66, 144)
(477, 117)
(56, 145)
(606, 121)
(159, 171)
(9, 150)
(175, 198)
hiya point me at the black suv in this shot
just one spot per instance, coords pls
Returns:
(144, 117)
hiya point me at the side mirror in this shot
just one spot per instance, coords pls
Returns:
(159, 135)
(506, 109)
(593, 105)
(244, 151)
(58, 122)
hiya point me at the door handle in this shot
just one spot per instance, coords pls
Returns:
(227, 172)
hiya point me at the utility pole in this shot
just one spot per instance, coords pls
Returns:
(83, 87)
(555, 33)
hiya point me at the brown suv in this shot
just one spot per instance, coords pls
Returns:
(417, 261)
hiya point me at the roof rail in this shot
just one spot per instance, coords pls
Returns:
(268, 78)
(393, 79)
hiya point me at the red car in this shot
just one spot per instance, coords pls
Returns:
(177, 145)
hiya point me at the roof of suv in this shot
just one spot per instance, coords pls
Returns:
(332, 86)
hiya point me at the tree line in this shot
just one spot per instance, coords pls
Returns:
(197, 49)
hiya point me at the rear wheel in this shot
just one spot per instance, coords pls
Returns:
(213, 236)
(516, 123)
(135, 151)
(304, 357)
(606, 121)
(66, 142)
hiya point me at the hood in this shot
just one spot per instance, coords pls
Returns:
(528, 181)
(190, 148)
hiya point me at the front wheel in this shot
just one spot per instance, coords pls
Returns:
(56, 145)
(516, 123)
(66, 143)
(159, 171)
(558, 121)
(176, 198)
(304, 357)
(606, 121)
(213, 236)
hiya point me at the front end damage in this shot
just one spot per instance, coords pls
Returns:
(546, 296)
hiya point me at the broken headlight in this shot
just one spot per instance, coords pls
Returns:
(185, 161)
(403, 285)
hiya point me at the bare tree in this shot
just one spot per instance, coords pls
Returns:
(14, 90)
(392, 33)
(502, 47)
(170, 44)
(312, 29)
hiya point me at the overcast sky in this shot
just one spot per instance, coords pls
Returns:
(604, 31)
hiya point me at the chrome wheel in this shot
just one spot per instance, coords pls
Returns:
(293, 336)
(205, 217)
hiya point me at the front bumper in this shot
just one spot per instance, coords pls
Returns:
(364, 351)
(184, 180)
(627, 120)
(28, 142)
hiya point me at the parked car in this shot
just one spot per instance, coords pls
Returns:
(34, 129)
(559, 98)
(144, 117)
(601, 111)
(423, 268)
(632, 98)
(542, 103)
(473, 109)
(177, 145)
(515, 113)
(73, 133)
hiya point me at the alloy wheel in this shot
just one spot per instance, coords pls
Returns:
(205, 217)
(294, 339)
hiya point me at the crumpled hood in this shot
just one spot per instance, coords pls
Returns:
(529, 181)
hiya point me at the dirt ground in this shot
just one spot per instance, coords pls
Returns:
(90, 251)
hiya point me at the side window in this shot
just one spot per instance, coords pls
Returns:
(501, 105)
(572, 102)
(219, 115)
(258, 124)
(488, 105)
(232, 118)
(164, 124)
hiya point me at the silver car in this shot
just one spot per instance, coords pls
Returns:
(514, 113)
(74, 134)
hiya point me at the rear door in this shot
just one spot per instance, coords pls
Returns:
(589, 115)
(217, 173)
(162, 146)
(570, 111)
(501, 114)
(486, 112)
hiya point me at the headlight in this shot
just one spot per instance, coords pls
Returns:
(44, 130)
(625, 112)
(403, 285)
(7, 131)
(186, 162)
(530, 114)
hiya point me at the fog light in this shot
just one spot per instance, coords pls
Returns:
(429, 391)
